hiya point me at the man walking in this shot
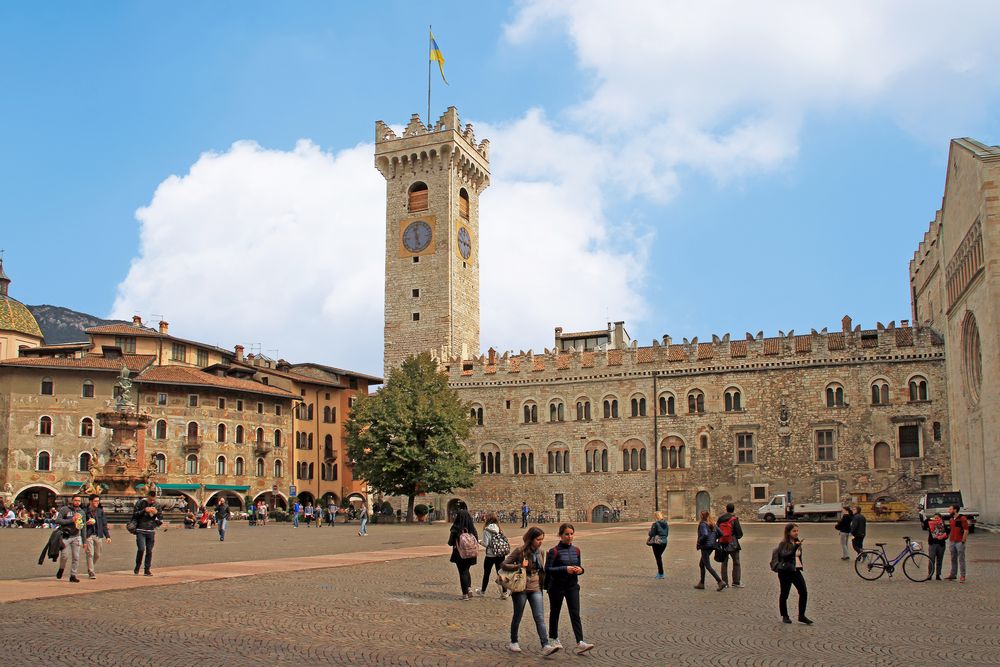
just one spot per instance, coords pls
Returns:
(730, 532)
(70, 520)
(959, 532)
(222, 515)
(525, 511)
(859, 527)
(844, 528)
(95, 530)
(147, 519)
(296, 508)
(333, 512)
(364, 520)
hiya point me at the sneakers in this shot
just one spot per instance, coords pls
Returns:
(91, 575)
(659, 576)
(961, 579)
(582, 647)
(785, 619)
(737, 585)
(549, 649)
(135, 571)
(59, 573)
(465, 596)
(804, 620)
(514, 647)
(950, 577)
(845, 558)
(504, 595)
(73, 579)
(480, 593)
(722, 586)
(555, 642)
(147, 573)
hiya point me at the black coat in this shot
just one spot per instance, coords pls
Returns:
(52, 547)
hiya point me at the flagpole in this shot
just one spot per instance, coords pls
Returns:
(430, 32)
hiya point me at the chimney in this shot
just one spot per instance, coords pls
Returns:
(493, 356)
(164, 327)
(136, 321)
(846, 324)
(239, 353)
(904, 323)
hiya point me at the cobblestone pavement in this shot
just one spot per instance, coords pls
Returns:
(408, 612)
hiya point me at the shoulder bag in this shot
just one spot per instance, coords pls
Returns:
(515, 581)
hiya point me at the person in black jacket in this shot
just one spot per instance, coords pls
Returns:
(147, 519)
(706, 544)
(786, 561)
(844, 528)
(222, 514)
(70, 522)
(95, 529)
(463, 524)
(563, 567)
(858, 530)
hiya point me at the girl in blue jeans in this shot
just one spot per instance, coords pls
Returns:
(528, 556)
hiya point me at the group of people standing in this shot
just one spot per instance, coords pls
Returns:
(558, 573)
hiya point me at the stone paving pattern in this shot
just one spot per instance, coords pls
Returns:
(408, 611)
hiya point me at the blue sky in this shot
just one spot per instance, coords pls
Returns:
(708, 169)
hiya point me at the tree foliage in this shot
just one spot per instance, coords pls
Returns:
(407, 437)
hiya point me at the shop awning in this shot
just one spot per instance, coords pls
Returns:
(72, 483)
(224, 487)
(175, 487)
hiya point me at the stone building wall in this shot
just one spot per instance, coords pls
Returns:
(782, 384)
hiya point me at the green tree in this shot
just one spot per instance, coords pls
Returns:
(407, 437)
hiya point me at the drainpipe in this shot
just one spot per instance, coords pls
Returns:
(656, 449)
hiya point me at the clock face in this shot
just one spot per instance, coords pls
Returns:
(417, 236)
(464, 242)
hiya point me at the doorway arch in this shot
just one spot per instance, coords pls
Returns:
(233, 499)
(454, 505)
(600, 514)
(702, 502)
(36, 497)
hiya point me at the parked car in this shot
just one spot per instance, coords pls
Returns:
(934, 502)
(780, 508)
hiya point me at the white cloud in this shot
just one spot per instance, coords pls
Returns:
(725, 86)
(282, 248)
(286, 248)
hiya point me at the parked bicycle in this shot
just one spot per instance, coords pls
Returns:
(873, 563)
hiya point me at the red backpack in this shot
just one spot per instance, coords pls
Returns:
(725, 529)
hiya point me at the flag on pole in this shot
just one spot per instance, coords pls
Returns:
(436, 56)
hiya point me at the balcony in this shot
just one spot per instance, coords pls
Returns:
(192, 444)
(262, 448)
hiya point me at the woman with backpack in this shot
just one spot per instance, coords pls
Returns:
(497, 547)
(706, 545)
(937, 540)
(786, 561)
(528, 557)
(659, 531)
(464, 543)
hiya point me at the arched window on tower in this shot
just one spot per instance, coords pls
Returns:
(463, 204)
(418, 197)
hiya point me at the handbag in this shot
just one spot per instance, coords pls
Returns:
(131, 526)
(654, 539)
(515, 581)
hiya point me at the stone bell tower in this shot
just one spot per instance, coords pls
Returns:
(434, 176)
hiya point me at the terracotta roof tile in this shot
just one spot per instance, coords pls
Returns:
(195, 377)
(124, 329)
(562, 361)
(904, 337)
(537, 364)
(835, 341)
(514, 365)
(869, 338)
(587, 359)
(615, 357)
(738, 348)
(803, 344)
(468, 372)
(676, 353)
(135, 362)
(706, 351)
(644, 355)
(772, 345)
(490, 370)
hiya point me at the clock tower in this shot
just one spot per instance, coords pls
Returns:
(434, 176)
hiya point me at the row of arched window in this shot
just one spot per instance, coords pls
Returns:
(673, 455)
(418, 199)
(86, 426)
(43, 462)
(221, 433)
